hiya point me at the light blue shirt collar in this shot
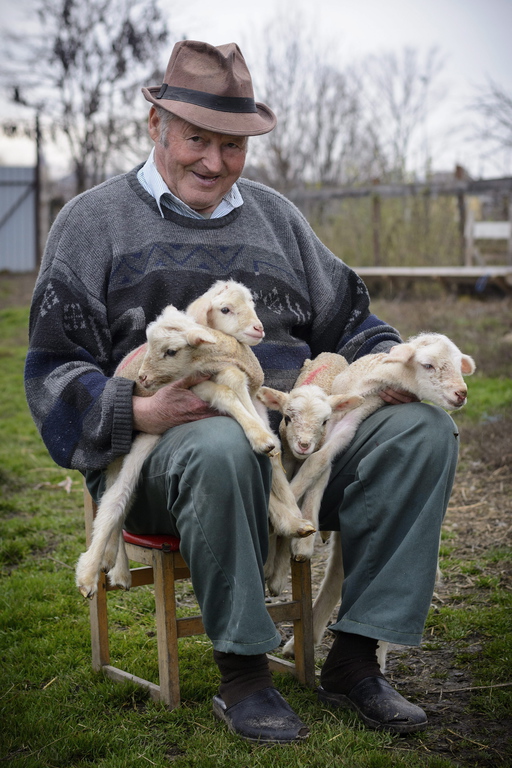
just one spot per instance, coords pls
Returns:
(153, 183)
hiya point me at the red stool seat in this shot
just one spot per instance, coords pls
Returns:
(155, 541)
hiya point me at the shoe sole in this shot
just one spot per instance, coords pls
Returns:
(340, 700)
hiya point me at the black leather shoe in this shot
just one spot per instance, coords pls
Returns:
(263, 716)
(379, 705)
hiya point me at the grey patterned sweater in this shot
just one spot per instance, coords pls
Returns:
(112, 263)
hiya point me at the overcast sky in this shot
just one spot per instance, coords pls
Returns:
(474, 37)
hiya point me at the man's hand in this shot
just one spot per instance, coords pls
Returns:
(397, 396)
(170, 406)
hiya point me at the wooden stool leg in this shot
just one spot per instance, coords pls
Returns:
(98, 604)
(166, 627)
(99, 626)
(303, 628)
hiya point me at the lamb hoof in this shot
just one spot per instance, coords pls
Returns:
(306, 530)
(300, 558)
(276, 586)
(121, 582)
(289, 649)
(88, 593)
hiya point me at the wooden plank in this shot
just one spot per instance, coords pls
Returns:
(402, 190)
(166, 629)
(491, 230)
(289, 611)
(501, 276)
(120, 676)
(189, 626)
(281, 665)
(456, 272)
(303, 628)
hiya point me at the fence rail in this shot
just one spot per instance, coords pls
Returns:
(453, 278)
(468, 229)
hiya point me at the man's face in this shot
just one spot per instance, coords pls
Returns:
(198, 166)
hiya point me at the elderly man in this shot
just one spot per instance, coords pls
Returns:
(163, 233)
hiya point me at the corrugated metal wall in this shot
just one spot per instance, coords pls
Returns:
(17, 219)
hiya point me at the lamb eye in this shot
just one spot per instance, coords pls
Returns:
(171, 352)
(225, 310)
(428, 366)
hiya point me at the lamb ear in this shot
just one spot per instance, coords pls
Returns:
(345, 402)
(467, 365)
(402, 353)
(199, 310)
(200, 336)
(272, 398)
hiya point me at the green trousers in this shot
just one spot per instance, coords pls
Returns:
(387, 495)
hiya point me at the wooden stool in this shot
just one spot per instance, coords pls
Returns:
(162, 565)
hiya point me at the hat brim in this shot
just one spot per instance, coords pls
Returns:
(231, 123)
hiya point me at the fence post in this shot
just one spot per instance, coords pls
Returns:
(376, 219)
(461, 202)
(509, 247)
(469, 245)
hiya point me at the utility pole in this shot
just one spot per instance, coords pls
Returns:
(37, 192)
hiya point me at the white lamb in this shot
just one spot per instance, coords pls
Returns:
(306, 412)
(429, 366)
(177, 346)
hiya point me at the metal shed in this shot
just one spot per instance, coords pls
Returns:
(18, 227)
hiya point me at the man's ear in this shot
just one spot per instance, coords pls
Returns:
(154, 124)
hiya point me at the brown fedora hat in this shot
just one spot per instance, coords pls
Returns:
(211, 87)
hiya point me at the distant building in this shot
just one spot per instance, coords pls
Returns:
(18, 227)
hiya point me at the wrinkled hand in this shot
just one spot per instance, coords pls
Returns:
(397, 396)
(170, 406)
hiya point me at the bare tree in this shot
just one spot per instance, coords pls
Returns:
(82, 70)
(320, 137)
(494, 105)
(400, 91)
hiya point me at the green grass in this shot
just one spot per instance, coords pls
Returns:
(488, 399)
(56, 712)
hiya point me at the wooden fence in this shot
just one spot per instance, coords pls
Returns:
(470, 267)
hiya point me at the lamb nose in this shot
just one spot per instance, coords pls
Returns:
(461, 394)
(142, 378)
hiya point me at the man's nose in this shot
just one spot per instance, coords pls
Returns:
(212, 158)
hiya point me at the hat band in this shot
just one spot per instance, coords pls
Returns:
(208, 100)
